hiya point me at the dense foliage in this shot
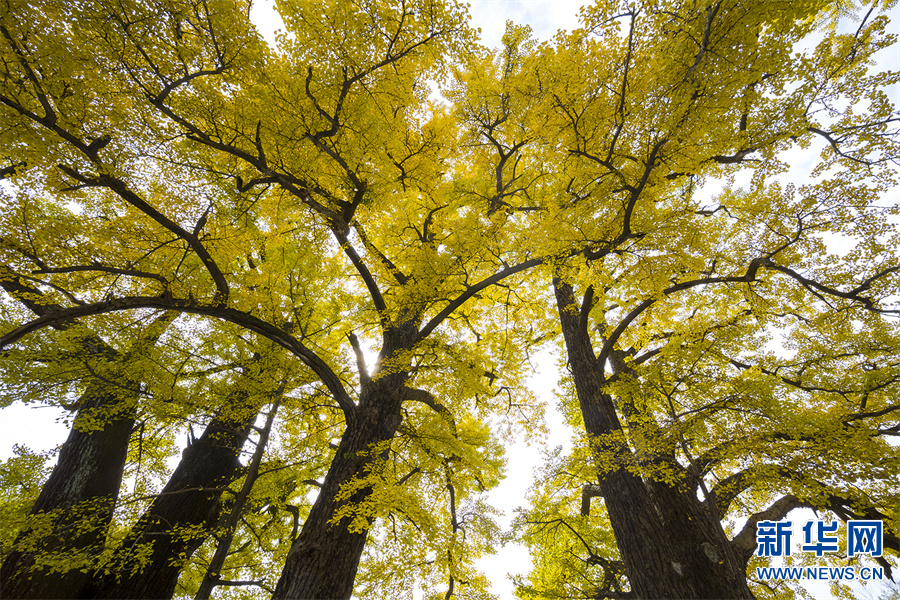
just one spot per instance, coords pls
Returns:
(289, 296)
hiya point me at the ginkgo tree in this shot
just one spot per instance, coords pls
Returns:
(339, 280)
(301, 198)
(668, 297)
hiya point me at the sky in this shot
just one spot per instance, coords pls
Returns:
(39, 427)
(545, 18)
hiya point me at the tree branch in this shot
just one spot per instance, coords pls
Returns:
(591, 490)
(428, 399)
(123, 191)
(364, 379)
(472, 290)
(243, 319)
(851, 295)
(750, 275)
(744, 543)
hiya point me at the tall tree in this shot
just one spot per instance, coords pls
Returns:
(396, 254)
(70, 516)
(185, 511)
(241, 185)
(690, 419)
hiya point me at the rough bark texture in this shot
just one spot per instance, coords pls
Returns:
(324, 559)
(88, 474)
(89, 471)
(188, 502)
(671, 545)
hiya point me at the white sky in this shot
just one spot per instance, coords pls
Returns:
(38, 427)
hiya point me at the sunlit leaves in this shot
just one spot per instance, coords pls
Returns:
(317, 195)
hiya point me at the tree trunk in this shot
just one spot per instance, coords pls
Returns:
(84, 484)
(323, 560)
(671, 545)
(83, 487)
(181, 516)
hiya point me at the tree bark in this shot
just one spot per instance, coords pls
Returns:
(83, 487)
(84, 484)
(671, 545)
(323, 561)
(212, 578)
(181, 516)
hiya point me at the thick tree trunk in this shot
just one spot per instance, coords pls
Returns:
(181, 516)
(671, 545)
(709, 560)
(82, 489)
(323, 560)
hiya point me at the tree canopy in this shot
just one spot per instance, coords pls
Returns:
(289, 295)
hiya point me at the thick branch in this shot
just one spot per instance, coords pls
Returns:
(388, 264)
(744, 542)
(33, 298)
(610, 342)
(428, 399)
(732, 486)
(364, 378)
(243, 319)
(123, 191)
(853, 294)
(591, 490)
(368, 279)
(105, 269)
